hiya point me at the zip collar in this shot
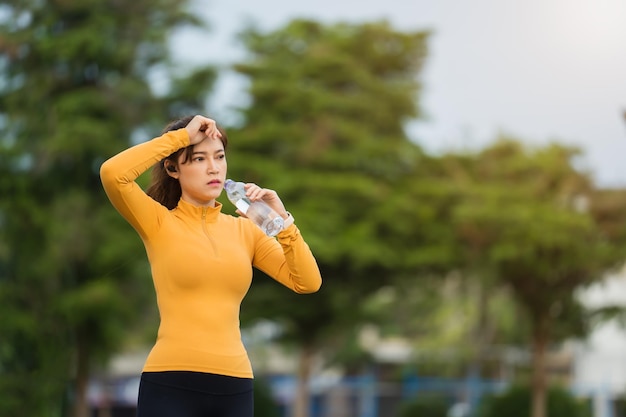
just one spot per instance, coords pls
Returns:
(208, 214)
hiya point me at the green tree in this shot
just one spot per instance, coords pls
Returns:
(325, 127)
(74, 90)
(544, 230)
(449, 307)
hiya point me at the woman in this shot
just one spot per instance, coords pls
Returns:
(201, 261)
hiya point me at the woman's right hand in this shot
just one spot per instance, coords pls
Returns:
(200, 128)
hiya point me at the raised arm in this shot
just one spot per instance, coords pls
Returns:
(118, 175)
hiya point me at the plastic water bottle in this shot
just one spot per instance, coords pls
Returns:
(258, 211)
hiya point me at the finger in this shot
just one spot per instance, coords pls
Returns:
(206, 125)
(250, 187)
(209, 127)
(265, 194)
(255, 192)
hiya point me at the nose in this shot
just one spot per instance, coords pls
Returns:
(212, 166)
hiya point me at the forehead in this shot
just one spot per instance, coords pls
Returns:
(209, 145)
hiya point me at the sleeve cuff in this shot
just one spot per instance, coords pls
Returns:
(288, 221)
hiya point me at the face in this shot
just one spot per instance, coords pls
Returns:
(202, 177)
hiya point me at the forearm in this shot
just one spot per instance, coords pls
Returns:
(119, 173)
(300, 270)
(125, 167)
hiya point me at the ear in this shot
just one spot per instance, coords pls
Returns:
(171, 169)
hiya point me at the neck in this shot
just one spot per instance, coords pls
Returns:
(210, 203)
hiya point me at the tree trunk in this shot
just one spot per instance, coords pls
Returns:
(302, 399)
(539, 386)
(480, 339)
(81, 406)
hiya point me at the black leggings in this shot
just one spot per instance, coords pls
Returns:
(194, 394)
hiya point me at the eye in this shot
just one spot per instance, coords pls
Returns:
(221, 156)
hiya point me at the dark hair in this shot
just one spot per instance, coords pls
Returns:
(163, 188)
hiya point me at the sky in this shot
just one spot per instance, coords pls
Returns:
(540, 71)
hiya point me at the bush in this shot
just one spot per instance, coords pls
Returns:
(516, 402)
(425, 406)
(264, 404)
(619, 405)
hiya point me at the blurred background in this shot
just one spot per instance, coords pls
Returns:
(456, 169)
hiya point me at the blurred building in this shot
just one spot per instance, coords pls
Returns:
(600, 361)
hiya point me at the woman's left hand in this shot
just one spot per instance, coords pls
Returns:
(256, 193)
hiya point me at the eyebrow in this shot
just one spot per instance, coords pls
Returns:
(205, 153)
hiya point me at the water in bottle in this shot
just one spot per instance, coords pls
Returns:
(258, 211)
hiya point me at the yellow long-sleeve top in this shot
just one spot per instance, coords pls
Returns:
(201, 261)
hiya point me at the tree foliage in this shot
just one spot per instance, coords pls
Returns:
(542, 229)
(325, 127)
(75, 89)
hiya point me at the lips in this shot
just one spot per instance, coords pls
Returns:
(215, 182)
